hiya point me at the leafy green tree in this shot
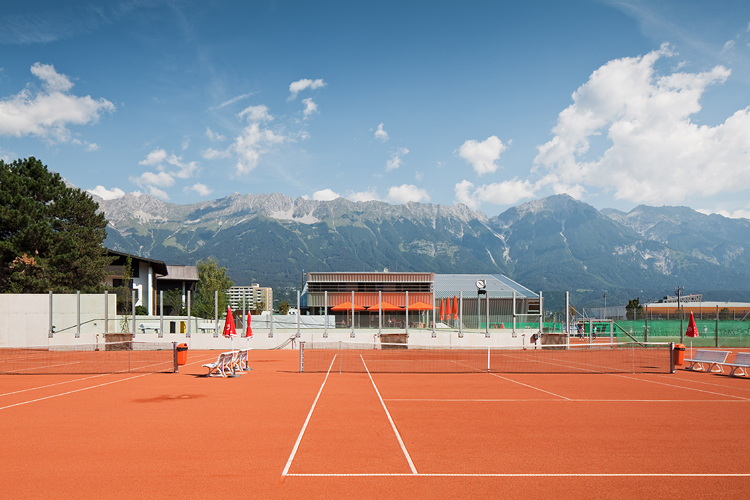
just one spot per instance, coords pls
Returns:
(211, 278)
(173, 300)
(50, 234)
(259, 306)
(283, 307)
(124, 295)
(634, 308)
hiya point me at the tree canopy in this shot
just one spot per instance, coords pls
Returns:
(211, 278)
(50, 234)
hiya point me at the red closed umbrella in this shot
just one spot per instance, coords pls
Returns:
(229, 330)
(442, 310)
(692, 331)
(455, 307)
(248, 328)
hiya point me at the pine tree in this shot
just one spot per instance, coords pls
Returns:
(50, 234)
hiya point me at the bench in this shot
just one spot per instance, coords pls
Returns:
(740, 364)
(149, 326)
(242, 363)
(222, 366)
(712, 359)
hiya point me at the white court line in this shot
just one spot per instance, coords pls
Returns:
(552, 474)
(52, 385)
(307, 420)
(72, 392)
(736, 388)
(529, 386)
(433, 400)
(679, 386)
(398, 436)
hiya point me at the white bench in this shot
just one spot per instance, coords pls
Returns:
(712, 359)
(242, 363)
(222, 366)
(740, 364)
(149, 326)
(206, 327)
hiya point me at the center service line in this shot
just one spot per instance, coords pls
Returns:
(307, 420)
(398, 436)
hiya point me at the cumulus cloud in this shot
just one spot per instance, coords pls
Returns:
(256, 114)
(159, 158)
(213, 136)
(249, 145)
(107, 194)
(300, 85)
(155, 157)
(325, 195)
(381, 134)
(482, 155)
(406, 193)
(148, 179)
(497, 193)
(49, 111)
(369, 195)
(310, 107)
(199, 188)
(396, 159)
(655, 153)
(161, 194)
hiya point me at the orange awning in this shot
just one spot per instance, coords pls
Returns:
(385, 307)
(347, 306)
(420, 306)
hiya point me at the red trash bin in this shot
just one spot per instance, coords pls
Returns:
(182, 354)
(679, 354)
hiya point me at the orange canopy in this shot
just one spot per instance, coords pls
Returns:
(347, 306)
(385, 307)
(420, 306)
(455, 307)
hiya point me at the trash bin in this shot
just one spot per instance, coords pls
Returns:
(182, 354)
(679, 354)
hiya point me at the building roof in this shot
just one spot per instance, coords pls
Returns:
(159, 266)
(181, 273)
(498, 286)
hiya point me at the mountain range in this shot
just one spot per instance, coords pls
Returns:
(554, 244)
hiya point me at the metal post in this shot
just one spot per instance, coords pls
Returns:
(187, 299)
(216, 313)
(352, 333)
(132, 309)
(161, 313)
(486, 314)
(433, 315)
(50, 333)
(380, 313)
(298, 311)
(717, 326)
(514, 314)
(244, 316)
(461, 314)
(78, 313)
(407, 314)
(270, 329)
(541, 313)
(106, 312)
(325, 307)
(567, 317)
(591, 332)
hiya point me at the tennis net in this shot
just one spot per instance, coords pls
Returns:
(410, 358)
(110, 357)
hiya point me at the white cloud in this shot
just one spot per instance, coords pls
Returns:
(231, 101)
(256, 114)
(91, 146)
(185, 143)
(310, 107)
(325, 195)
(48, 112)
(213, 136)
(149, 179)
(482, 155)
(655, 154)
(497, 193)
(381, 134)
(406, 193)
(212, 154)
(396, 159)
(107, 194)
(154, 191)
(728, 46)
(300, 85)
(155, 157)
(199, 188)
(369, 195)
(419, 175)
(251, 144)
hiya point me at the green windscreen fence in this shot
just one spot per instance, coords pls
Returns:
(711, 333)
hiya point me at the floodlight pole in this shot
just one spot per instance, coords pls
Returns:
(678, 290)
(460, 314)
(380, 312)
(325, 309)
(51, 327)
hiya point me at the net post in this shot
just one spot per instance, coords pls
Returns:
(174, 355)
(352, 332)
(301, 356)
(106, 313)
(132, 309)
(216, 313)
(671, 357)
(717, 326)
(78, 314)
(488, 359)
(380, 312)
(486, 314)
(406, 323)
(541, 314)
(270, 318)
(515, 334)
(567, 318)
(187, 300)
(161, 313)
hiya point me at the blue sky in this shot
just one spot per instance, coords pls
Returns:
(486, 103)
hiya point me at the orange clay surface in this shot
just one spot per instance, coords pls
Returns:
(685, 435)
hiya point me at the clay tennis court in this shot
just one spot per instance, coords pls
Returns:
(277, 433)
